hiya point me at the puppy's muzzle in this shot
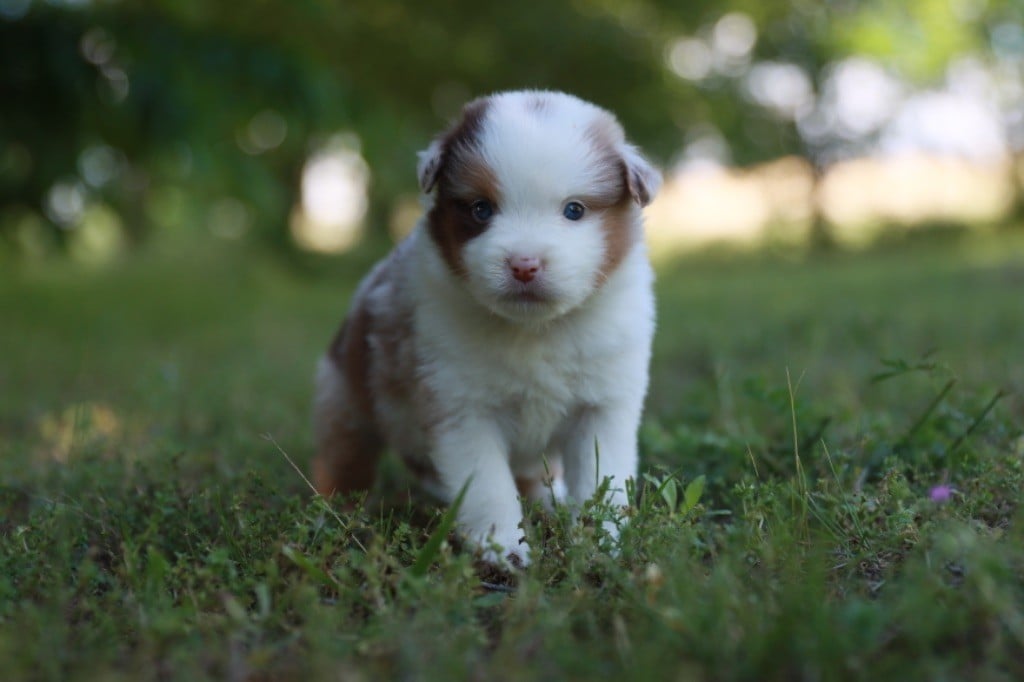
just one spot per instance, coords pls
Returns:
(524, 268)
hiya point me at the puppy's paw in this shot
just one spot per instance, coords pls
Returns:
(611, 530)
(512, 560)
(510, 552)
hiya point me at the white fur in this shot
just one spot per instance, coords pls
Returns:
(511, 387)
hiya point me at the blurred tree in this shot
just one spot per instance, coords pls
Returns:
(161, 108)
(173, 89)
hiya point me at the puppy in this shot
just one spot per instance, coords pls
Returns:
(504, 345)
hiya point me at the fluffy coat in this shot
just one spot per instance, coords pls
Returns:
(505, 343)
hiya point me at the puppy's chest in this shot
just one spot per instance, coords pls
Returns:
(526, 376)
(530, 392)
(517, 372)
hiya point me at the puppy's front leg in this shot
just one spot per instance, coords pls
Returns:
(600, 443)
(473, 449)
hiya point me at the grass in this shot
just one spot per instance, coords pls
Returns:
(801, 414)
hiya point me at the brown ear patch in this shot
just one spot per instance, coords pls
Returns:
(428, 166)
(463, 177)
(613, 194)
(605, 137)
(642, 178)
(621, 227)
(639, 179)
(637, 187)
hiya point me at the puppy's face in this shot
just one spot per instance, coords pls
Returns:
(537, 201)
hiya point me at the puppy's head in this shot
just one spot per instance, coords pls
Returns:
(536, 201)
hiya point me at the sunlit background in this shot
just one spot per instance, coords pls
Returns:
(127, 125)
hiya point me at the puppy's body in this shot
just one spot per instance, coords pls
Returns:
(509, 336)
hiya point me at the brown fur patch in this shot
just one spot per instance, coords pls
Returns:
(350, 352)
(539, 487)
(619, 223)
(401, 385)
(605, 136)
(351, 348)
(348, 448)
(422, 468)
(348, 442)
(638, 178)
(463, 178)
(621, 233)
(528, 487)
(346, 459)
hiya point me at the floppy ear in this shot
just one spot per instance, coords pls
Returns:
(642, 179)
(429, 166)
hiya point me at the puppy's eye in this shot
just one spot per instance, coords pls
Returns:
(482, 210)
(573, 210)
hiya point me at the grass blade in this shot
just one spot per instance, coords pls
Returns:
(932, 406)
(432, 546)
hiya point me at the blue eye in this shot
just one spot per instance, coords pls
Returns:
(482, 210)
(573, 210)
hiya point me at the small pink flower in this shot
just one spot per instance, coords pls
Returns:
(941, 493)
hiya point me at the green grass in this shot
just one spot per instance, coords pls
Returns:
(150, 530)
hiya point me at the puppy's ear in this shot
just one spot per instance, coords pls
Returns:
(642, 179)
(429, 166)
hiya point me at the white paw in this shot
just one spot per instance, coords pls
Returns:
(555, 493)
(612, 529)
(508, 551)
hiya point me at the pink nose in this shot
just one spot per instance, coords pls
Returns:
(524, 268)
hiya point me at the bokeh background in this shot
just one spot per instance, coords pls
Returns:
(832, 454)
(292, 126)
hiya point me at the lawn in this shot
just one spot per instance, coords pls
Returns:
(833, 465)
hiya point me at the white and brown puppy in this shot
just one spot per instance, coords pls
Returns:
(509, 335)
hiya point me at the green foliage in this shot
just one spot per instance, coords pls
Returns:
(428, 553)
(917, 37)
(148, 529)
(667, 487)
(169, 92)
